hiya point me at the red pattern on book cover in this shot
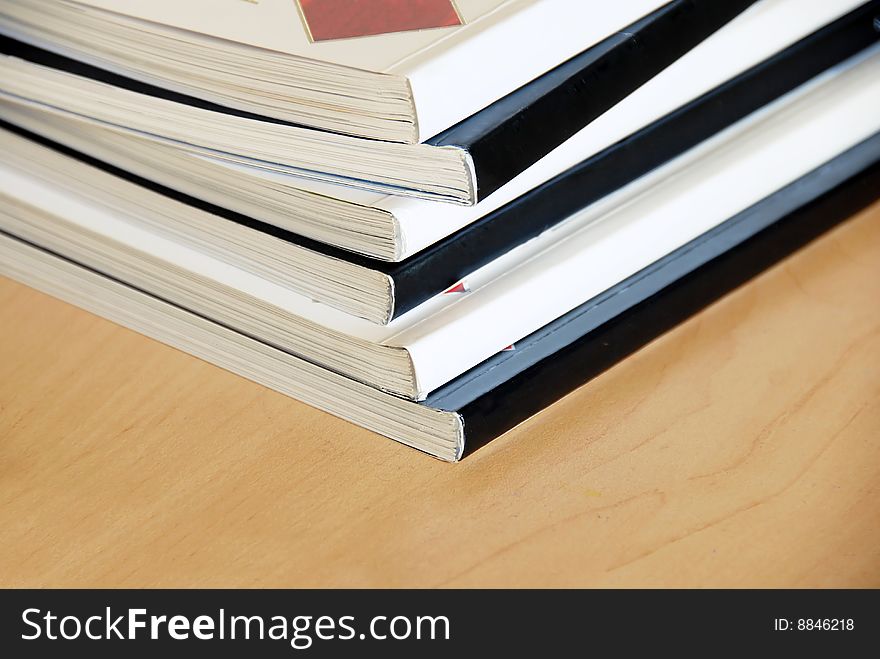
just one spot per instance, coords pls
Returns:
(344, 19)
(460, 287)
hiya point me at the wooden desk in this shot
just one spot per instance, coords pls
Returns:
(742, 449)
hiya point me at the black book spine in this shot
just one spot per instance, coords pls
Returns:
(518, 130)
(450, 260)
(701, 273)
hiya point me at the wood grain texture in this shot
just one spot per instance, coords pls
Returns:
(741, 449)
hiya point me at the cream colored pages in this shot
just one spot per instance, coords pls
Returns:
(281, 25)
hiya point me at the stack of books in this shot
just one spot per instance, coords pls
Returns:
(432, 218)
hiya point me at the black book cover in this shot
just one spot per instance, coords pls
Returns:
(515, 132)
(575, 348)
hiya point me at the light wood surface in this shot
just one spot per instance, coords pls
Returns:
(741, 449)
